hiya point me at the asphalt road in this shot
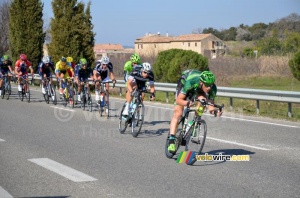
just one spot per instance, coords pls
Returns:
(53, 151)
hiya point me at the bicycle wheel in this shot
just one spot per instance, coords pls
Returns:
(21, 94)
(90, 102)
(3, 92)
(83, 101)
(7, 91)
(123, 121)
(137, 120)
(106, 109)
(27, 93)
(53, 94)
(71, 98)
(195, 139)
(178, 139)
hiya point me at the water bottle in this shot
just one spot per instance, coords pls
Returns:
(200, 110)
(188, 126)
(133, 106)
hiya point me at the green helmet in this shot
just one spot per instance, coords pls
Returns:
(83, 61)
(5, 57)
(135, 58)
(207, 77)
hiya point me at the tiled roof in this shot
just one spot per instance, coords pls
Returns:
(166, 39)
(98, 47)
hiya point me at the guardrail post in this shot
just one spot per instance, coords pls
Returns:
(231, 104)
(167, 97)
(257, 106)
(290, 109)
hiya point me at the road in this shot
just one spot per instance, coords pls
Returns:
(53, 151)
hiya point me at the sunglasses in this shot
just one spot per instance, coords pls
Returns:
(208, 85)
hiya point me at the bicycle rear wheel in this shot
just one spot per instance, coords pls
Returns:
(3, 92)
(90, 102)
(123, 121)
(137, 120)
(178, 139)
(195, 140)
(53, 94)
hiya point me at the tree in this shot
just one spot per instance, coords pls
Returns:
(4, 18)
(26, 29)
(71, 31)
(294, 64)
(171, 63)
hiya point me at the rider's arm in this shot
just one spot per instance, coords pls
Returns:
(180, 100)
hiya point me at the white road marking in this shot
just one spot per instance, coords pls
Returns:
(63, 170)
(1, 140)
(240, 144)
(4, 193)
(62, 108)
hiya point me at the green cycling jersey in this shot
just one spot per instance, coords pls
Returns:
(191, 86)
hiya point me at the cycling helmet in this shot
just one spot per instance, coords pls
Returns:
(69, 59)
(46, 59)
(23, 57)
(63, 59)
(146, 67)
(135, 58)
(5, 57)
(83, 61)
(105, 60)
(207, 77)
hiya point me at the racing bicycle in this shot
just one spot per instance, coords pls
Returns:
(103, 103)
(6, 87)
(86, 98)
(68, 95)
(135, 117)
(25, 92)
(192, 135)
(50, 91)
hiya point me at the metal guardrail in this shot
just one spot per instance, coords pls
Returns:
(252, 94)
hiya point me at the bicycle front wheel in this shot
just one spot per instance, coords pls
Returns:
(7, 91)
(195, 140)
(123, 121)
(27, 93)
(90, 102)
(137, 120)
(53, 94)
(3, 92)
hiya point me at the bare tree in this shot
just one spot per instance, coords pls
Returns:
(4, 16)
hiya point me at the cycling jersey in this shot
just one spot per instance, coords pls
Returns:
(44, 69)
(128, 69)
(4, 67)
(65, 69)
(84, 74)
(137, 77)
(189, 85)
(22, 66)
(104, 72)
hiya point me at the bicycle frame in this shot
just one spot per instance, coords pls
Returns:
(6, 86)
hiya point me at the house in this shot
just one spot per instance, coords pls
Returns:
(205, 44)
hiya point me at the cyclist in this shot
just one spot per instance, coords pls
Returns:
(70, 62)
(100, 72)
(62, 71)
(82, 75)
(5, 69)
(21, 67)
(192, 84)
(134, 61)
(45, 67)
(138, 79)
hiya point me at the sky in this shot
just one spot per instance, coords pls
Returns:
(123, 21)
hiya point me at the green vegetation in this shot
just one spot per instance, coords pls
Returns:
(26, 30)
(171, 63)
(295, 65)
(71, 31)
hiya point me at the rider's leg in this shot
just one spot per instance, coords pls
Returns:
(1, 82)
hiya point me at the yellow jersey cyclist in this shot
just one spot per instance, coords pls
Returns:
(134, 61)
(63, 71)
(192, 84)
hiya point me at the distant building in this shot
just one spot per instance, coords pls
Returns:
(109, 49)
(205, 44)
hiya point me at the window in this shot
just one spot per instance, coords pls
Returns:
(195, 44)
(154, 45)
(189, 44)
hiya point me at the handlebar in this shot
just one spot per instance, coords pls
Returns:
(206, 103)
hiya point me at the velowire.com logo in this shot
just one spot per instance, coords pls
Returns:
(188, 156)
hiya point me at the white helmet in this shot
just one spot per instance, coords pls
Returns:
(146, 67)
(104, 60)
(46, 59)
